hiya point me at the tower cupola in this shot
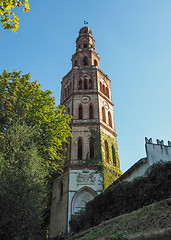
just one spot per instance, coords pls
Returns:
(85, 39)
(85, 54)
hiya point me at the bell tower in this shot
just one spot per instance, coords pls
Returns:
(91, 155)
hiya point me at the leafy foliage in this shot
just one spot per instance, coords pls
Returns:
(109, 171)
(21, 98)
(9, 19)
(125, 197)
(22, 184)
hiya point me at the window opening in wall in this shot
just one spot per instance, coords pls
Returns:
(80, 84)
(107, 92)
(95, 62)
(70, 87)
(75, 62)
(68, 110)
(85, 45)
(65, 92)
(113, 156)
(103, 115)
(85, 31)
(80, 150)
(90, 112)
(91, 147)
(68, 90)
(103, 89)
(106, 151)
(85, 61)
(110, 119)
(90, 84)
(61, 189)
(80, 112)
(100, 87)
(85, 84)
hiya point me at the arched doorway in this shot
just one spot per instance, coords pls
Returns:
(81, 197)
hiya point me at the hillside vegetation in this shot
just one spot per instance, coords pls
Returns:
(155, 217)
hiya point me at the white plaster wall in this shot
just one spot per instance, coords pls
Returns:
(74, 186)
(138, 172)
(156, 153)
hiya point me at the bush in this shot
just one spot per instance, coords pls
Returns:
(125, 197)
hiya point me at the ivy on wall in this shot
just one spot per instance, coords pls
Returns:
(110, 171)
(108, 168)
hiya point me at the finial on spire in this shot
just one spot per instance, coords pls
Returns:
(86, 23)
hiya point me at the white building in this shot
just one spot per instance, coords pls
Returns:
(155, 152)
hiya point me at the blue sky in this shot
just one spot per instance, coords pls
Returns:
(133, 38)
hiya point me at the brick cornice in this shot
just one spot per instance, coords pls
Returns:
(106, 98)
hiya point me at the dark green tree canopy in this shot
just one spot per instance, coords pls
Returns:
(22, 185)
(21, 98)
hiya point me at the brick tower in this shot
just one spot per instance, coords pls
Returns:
(91, 156)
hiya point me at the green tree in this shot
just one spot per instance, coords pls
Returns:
(22, 185)
(9, 19)
(21, 98)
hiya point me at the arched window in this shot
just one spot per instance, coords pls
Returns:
(80, 84)
(90, 84)
(85, 84)
(95, 63)
(100, 87)
(68, 90)
(68, 110)
(60, 186)
(90, 112)
(107, 92)
(106, 151)
(80, 112)
(75, 62)
(103, 89)
(103, 115)
(70, 87)
(113, 156)
(91, 147)
(79, 149)
(65, 92)
(85, 61)
(109, 119)
(85, 45)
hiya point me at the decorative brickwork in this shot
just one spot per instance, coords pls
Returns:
(86, 94)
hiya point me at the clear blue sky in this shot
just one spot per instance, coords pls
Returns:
(133, 39)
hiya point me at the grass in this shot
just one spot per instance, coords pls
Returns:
(147, 219)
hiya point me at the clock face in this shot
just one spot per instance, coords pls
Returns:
(106, 105)
(85, 99)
